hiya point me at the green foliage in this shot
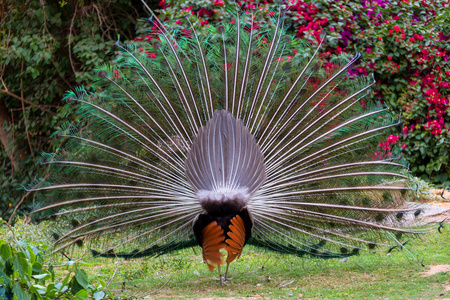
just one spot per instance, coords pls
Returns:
(25, 275)
(47, 48)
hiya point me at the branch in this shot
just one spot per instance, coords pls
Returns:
(24, 114)
(26, 101)
(70, 38)
(60, 75)
(5, 139)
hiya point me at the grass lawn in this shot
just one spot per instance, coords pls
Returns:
(264, 274)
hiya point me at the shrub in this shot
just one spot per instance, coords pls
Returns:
(25, 275)
(46, 48)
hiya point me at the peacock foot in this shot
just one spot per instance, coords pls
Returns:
(223, 280)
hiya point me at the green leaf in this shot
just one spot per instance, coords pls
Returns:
(82, 278)
(23, 267)
(82, 295)
(31, 255)
(52, 271)
(5, 252)
(99, 295)
(41, 287)
(40, 276)
(22, 243)
(37, 267)
(20, 293)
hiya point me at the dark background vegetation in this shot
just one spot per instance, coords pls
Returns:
(49, 47)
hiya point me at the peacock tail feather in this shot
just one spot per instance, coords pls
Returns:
(127, 180)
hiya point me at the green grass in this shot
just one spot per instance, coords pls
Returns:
(259, 273)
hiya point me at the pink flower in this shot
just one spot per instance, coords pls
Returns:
(376, 155)
(187, 8)
(405, 130)
(384, 145)
(178, 22)
(433, 126)
(418, 36)
(295, 52)
(331, 28)
(392, 139)
(116, 74)
(412, 39)
(404, 146)
(369, 50)
(389, 57)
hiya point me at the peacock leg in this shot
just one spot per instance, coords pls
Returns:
(220, 275)
(226, 273)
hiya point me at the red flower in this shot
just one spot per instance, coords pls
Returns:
(116, 74)
(389, 57)
(187, 8)
(405, 130)
(392, 139)
(204, 11)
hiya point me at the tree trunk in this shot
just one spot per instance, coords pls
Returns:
(5, 138)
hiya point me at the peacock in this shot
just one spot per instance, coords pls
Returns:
(218, 136)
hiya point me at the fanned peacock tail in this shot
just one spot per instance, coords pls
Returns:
(125, 181)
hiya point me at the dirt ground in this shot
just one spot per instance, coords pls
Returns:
(441, 202)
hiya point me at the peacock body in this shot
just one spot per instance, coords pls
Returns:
(219, 139)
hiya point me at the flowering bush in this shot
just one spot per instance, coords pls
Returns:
(405, 44)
